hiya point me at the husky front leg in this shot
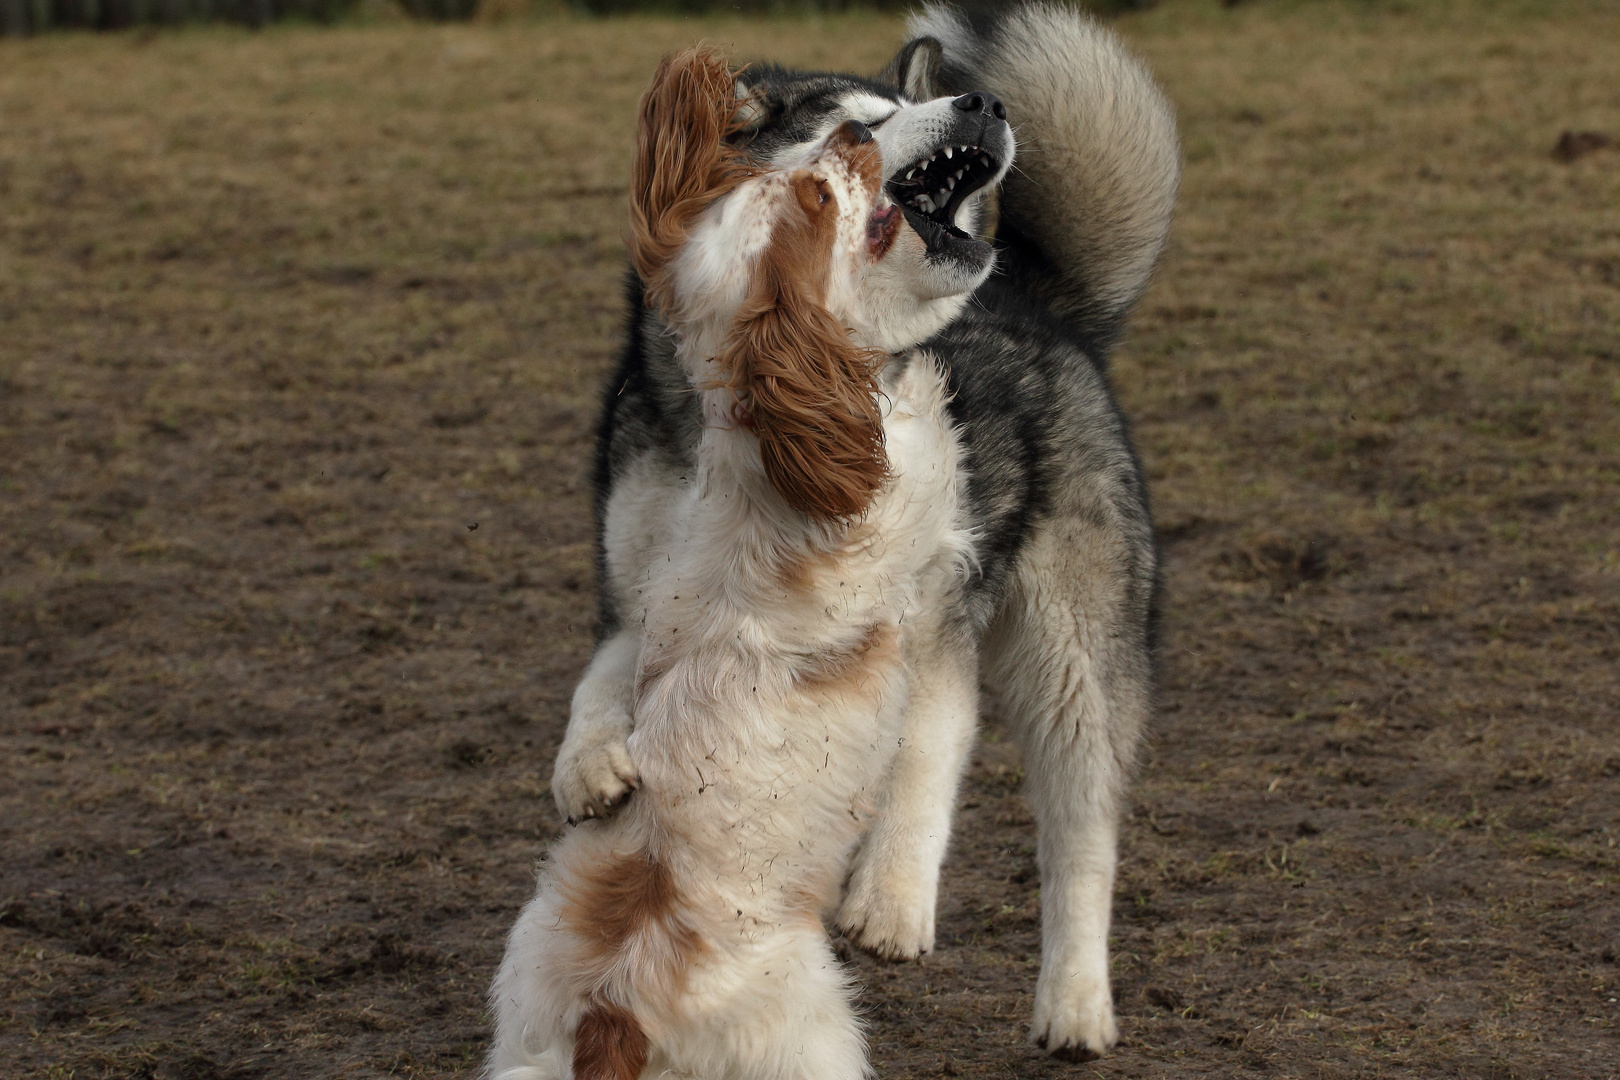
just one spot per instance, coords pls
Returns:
(593, 773)
(894, 890)
(1070, 660)
(1076, 850)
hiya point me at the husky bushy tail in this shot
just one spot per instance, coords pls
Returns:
(1086, 211)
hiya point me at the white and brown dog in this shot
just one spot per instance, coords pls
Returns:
(781, 593)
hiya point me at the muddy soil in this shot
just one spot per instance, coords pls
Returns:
(300, 342)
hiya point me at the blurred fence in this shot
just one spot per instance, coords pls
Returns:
(21, 17)
(789, 7)
(18, 17)
(756, 7)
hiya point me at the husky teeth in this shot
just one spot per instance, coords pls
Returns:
(945, 182)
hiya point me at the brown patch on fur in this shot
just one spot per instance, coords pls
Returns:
(796, 570)
(610, 903)
(627, 916)
(628, 919)
(799, 569)
(879, 645)
(682, 160)
(609, 1044)
(809, 394)
(865, 160)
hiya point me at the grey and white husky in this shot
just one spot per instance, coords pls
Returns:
(1018, 281)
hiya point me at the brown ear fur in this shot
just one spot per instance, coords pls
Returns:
(683, 162)
(810, 394)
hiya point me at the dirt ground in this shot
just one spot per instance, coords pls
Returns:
(300, 337)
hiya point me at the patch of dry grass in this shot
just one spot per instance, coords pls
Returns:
(284, 315)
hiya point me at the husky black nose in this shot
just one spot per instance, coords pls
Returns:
(981, 101)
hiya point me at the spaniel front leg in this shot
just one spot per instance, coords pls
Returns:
(593, 774)
(893, 892)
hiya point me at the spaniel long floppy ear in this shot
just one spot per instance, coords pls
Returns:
(683, 162)
(809, 393)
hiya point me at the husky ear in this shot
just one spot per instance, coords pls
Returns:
(915, 69)
(754, 109)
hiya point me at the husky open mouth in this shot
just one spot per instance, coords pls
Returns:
(931, 190)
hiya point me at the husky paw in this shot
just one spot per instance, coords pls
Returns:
(593, 777)
(1077, 1024)
(888, 912)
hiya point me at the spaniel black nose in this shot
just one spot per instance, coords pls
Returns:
(982, 101)
(862, 133)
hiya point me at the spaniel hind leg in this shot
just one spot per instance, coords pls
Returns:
(786, 1014)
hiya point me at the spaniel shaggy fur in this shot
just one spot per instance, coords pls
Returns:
(778, 592)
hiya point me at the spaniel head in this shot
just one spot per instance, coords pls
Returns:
(763, 274)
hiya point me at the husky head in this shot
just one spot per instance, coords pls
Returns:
(942, 154)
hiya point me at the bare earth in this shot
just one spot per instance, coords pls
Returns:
(300, 342)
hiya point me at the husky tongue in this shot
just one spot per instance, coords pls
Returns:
(944, 240)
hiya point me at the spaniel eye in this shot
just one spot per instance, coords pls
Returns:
(813, 193)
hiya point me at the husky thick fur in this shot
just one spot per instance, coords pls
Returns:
(1018, 280)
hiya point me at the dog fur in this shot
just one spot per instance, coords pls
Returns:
(1056, 621)
(814, 546)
